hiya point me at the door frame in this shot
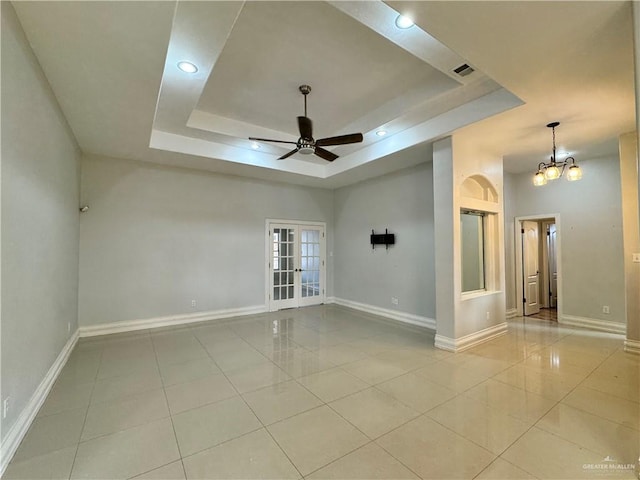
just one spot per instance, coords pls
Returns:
(518, 264)
(545, 260)
(267, 256)
(528, 242)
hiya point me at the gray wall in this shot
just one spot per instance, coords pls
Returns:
(40, 194)
(403, 203)
(156, 238)
(591, 234)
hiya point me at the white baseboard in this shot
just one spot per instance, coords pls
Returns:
(471, 340)
(593, 324)
(632, 346)
(511, 313)
(21, 426)
(168, 321)
(403, 317)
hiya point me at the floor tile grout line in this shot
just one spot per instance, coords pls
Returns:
(256, 416)
(463, 437)
(504, 460)
(542, 343)
(300, 413)
(370, 440)
(580, 409)
(534, 425)
(86, 414)
(166, 399)
(392, 455)
(224, 442)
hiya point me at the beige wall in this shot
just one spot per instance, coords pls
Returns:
(403, 203)
(633, 277)
(40, 194)
(156, 238)
(590, 235)
(630, 214)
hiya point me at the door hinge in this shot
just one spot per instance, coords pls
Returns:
(522, 230)
(524, 300)
(323, 263)
(322, 234)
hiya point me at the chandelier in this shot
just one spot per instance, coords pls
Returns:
(555, 169)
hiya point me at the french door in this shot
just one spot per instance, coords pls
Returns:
(296, 265)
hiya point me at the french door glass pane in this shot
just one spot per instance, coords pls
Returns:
(310, 262)
(283, 250)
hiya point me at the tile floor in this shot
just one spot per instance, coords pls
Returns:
(546, 314)
(328, 392)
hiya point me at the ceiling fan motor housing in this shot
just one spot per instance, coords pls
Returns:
(306, 148)
(306, 143)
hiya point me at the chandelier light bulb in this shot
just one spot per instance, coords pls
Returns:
(552, 172)
(539, 179)
(574, 173)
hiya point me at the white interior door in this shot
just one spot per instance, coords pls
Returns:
(530, 268)
(296, 265)
(553, 267)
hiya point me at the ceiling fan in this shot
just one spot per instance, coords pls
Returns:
(306, 144)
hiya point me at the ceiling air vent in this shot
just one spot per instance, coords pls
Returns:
(464, 70)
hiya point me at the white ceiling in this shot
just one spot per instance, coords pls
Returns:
(112, 66)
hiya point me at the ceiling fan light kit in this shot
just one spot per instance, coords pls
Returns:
(306, 143)
(554, 169)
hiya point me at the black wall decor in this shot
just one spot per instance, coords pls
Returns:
(385, 238)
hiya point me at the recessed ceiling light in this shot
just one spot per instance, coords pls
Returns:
(187, 67)
(404, 22)
(381, 133)
(255, 146)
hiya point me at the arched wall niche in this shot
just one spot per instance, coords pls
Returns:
(479, 188)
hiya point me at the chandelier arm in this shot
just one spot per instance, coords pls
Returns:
(564, 165)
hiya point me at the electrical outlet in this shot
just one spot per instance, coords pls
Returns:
(394, 301)
(636, 258)
(488, 315)
(605, 309)
(68, 327)
(193, 304)
(5, 407)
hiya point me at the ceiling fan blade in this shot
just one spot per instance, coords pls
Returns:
(269, 140)
(287, 155)
(305, 127)
(326, 154)
(339, 140)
